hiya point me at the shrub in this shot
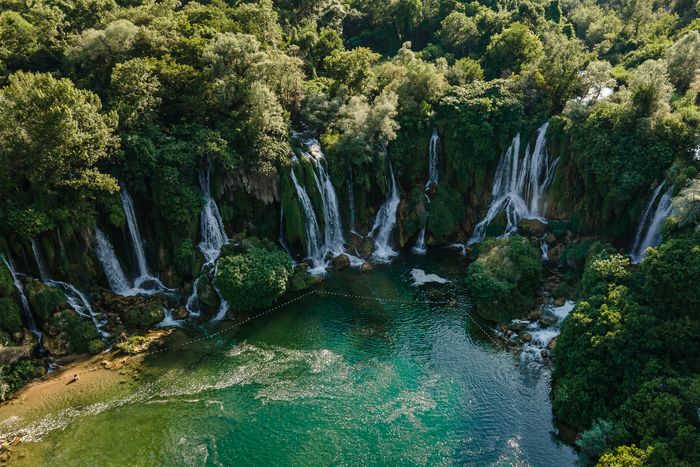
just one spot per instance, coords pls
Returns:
(96, 346)
(10, 319)
(79, 332)
(504, 278)
(133, 345)
(253, 279)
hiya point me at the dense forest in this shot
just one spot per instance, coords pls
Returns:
(101, 97)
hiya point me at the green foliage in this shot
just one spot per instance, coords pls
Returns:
(626, 456)
(253, 279)
(148, 315)
(10, 318)
(504, 278)
(45, 301)
(134, 345)
(79, 333)
(623, 152)
(446, 214)
(13, 377)
(509, 51)
(300, 280)
(185, 257)
(594, 442)
(52, 135)
(479, 119)
(7, 285)
(96, 346)
(624, 355)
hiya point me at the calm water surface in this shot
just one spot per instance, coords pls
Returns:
(324, 381)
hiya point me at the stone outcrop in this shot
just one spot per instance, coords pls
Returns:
(366, 268)
(136, 310)
(532, 227)
(360, 246)
(340, 262)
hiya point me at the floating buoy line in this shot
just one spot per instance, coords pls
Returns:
(239, 321)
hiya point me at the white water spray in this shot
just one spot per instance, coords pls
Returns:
(212, 225)
(433, 179)
(649, 229)
(113, 270)
(519, 187)
(385, 221)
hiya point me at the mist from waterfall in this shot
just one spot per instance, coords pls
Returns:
(385, 221)
(433, 179)
(519, 186)
(649, 229)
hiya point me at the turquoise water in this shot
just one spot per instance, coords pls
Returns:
(324, 381)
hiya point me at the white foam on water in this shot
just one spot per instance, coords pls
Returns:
(420, 277)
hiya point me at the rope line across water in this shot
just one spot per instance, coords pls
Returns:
(239, 321)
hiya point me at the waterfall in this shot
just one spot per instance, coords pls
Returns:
(115, 276)
(309, 215)
(433, 179)
(333, 234)
(128, 205)
(351, 200)
(385, 221)
(77, 301)
(31, 324)
(433, 155)
(192, 304)
(212, 225)
(420, 248)
(545, 248)
(519, 187)
(649, 229)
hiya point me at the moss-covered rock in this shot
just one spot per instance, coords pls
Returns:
(44, 300)
(360, 246)
(300, 280)
(10, 318)
(207, 293)
(447, 217)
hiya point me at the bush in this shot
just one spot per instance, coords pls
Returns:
(79, 332)
(253, 279)
(133, 345)
(96, 346)
(504, 278)
(10, 319)
(45, 300)
(145, 316)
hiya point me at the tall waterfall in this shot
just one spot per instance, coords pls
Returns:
(649, 229)
(29, 317)
(76, 299)
(212, 225)
(520, 186)
(213, 238)
(128, 205)
(309, 215)
(433, 157)
(113, 270)
(433, 179)
(385, 221)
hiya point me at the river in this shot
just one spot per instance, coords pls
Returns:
(326, 380)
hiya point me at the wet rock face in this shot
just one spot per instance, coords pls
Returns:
(10, 355)
(532, 227)
(207, 293)
(556, 252)
(363, 247)
(366, 268)
(180, 312)
(340, 262)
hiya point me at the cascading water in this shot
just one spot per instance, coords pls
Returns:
(433, 157)
(77, 301)
(29, 317)
(212, 225)
(128, 204)
(309, 215)
(213, 238)
(115, 276)
(385, 221)
(433, 179)
(649, 229)
(519, 187)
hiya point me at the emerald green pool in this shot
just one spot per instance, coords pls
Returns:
(327, 380)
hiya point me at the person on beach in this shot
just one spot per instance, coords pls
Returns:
(122, 336)
(76, 378)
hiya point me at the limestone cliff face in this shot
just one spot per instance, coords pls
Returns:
(259, 183)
